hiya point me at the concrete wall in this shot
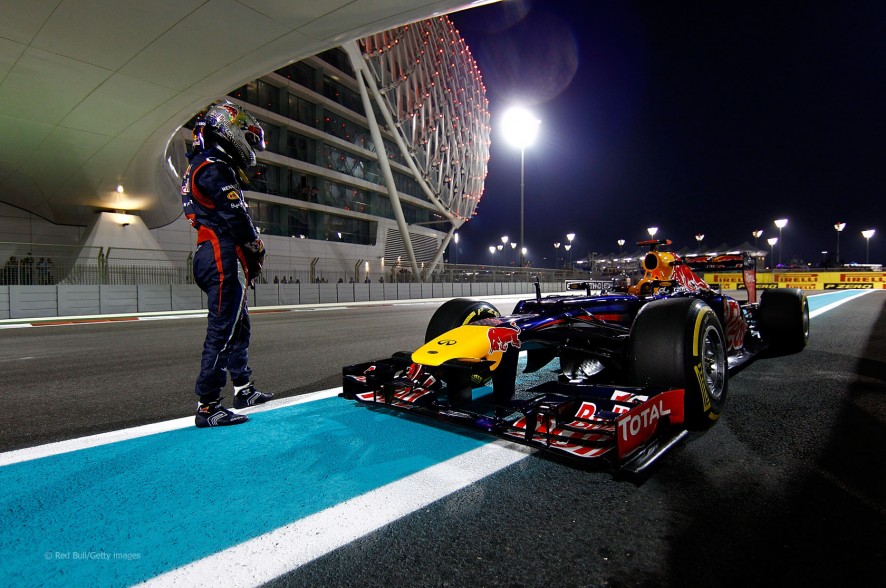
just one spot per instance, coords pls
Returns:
(23, 302)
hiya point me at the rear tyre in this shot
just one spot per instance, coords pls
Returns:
(679, 343)
(784, 319)
(455, 313)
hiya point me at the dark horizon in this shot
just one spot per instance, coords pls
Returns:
(692, 117)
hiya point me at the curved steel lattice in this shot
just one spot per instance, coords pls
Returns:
(435, 94)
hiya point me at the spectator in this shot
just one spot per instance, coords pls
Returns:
(10, 272)
(27, 270)
(42, 277)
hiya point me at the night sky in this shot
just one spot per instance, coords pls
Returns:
(696, 117)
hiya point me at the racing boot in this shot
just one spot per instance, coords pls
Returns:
(246, 396)
(213, 414)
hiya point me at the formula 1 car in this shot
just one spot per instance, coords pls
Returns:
(640, 364)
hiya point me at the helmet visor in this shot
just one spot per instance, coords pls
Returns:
(255, 136)
(252, 131)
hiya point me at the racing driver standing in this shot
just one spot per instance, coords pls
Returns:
(229, 255)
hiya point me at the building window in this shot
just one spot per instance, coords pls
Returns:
(301, 148)
(268, 97)
(277, 219)
(338, 59)
(348, 131)
(349, 164)
(302, 110)
(303, 187)
(338, 92)
(301, 74)
(259, 93)
(265, 179)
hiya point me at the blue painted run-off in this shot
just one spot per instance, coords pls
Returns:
(168, 499)
(820, 300)
(172, 498)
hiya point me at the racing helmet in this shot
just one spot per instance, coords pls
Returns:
(232, 128)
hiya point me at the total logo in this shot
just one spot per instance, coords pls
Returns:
(637, 426)
(642, 421)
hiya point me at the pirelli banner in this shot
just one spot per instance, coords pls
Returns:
(829, 280)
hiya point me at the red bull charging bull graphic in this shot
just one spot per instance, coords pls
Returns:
(501, 337)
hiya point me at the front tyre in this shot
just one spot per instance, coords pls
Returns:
(455, 313)
(679, 343)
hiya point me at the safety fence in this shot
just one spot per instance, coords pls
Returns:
(29, 264)
(28, 302)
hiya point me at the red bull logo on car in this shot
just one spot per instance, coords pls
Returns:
(501, 337)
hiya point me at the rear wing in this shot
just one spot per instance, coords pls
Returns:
(744, 262)
(591, 287)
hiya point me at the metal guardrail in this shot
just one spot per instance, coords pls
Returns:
(31, 264)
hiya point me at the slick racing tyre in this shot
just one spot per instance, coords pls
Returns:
(455, 313)
(679, 343)
(784, 319)
(458, 312)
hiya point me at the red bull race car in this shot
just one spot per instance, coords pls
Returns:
(615, 374)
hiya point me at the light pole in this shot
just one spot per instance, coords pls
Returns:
(570, 237)
(772, 241)
(699, 237)
(520, 128)
(523, 254)
(867, 240)
(839, 228)
(621, 243)
(491, 254)
(567, 247)
(556, 253)
(513, 247)
(455, 236)
(757, 234)
(652, 231)
(780, 223)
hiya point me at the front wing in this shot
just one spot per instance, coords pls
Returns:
(626, 428)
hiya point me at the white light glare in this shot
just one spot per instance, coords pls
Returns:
(520, 127)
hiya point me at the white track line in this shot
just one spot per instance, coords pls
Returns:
(50, 449)
(280, 551)
(837, 303)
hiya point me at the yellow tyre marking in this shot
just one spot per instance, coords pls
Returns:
(699, 371)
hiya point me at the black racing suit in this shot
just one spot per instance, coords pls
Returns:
(228, 257)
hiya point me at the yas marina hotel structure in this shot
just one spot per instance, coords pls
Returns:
(376, 154)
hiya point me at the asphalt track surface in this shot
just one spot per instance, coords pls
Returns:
(787, 489)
